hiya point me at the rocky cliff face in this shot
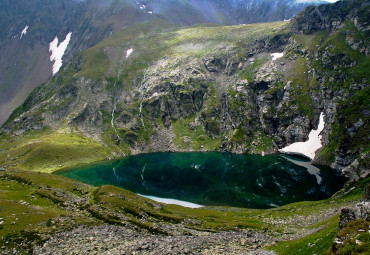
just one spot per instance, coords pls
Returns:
(217, 88)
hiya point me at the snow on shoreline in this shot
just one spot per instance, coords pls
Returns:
(277, 55)
(57, 52)
(24, 31)
(309, 147)
(310, 168)
(129, 51)
(172, 201)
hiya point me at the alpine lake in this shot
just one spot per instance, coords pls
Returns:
(214, 178)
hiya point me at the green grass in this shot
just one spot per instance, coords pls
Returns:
(299, 77)
(327, 154)
(196, 139)
(238, 135)
(316, 243)
(169, 40)
(313, 41)
(248, 73)
(258, 143)
(350, 109)
(95, 62)
(356, 239)
(262, 141)
(48, 151)
(229, 35)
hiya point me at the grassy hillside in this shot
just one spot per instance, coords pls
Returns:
(47, 151)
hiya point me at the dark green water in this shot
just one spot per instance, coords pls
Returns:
(215, 178)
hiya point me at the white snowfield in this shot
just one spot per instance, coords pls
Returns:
(57, 52)
(309, 147)
(129, 52)
(173, 201)
(276, 55)
(24, 31)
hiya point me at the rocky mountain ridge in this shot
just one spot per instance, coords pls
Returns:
(24, 62)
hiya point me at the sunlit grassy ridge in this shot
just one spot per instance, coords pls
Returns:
(95, 60)
(156, 39)
(47, 151)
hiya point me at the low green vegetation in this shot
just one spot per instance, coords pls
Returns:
(261, 143)
(170, 41)
(317, 243)
(299, 77)
(248, 73)
(47, 151)
(193, 138)
(327, 154)
(257, 143)
(313, 41)
(354, 66)
(356, 239)
(229, 35)
(105, 53)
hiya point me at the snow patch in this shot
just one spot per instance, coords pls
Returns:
(24, 32)
(309, 147)
(173, 201)
(276, 55)
(129, 52)
(57, 52)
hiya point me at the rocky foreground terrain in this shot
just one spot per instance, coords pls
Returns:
(107, 239)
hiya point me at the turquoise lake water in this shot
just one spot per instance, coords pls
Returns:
(213, 178)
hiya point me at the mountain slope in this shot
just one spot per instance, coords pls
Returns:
(213, 88)
(25, 59)
(24, 62)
